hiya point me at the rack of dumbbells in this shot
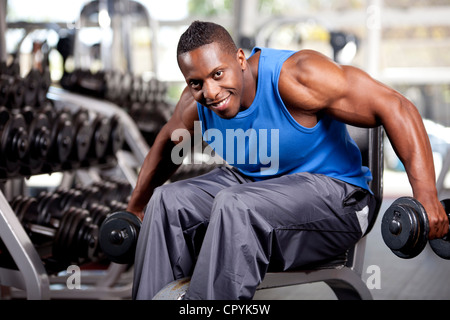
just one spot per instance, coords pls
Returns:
(143, 99)
(43, 131)
(39, 137)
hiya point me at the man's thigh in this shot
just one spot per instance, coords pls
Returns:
(185, 205)
(313, 217)
(194, 195)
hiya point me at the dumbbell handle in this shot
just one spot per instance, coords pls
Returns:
(441, 246)
(42, 230)
(395, 227)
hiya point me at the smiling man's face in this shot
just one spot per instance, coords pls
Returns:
(215, 78)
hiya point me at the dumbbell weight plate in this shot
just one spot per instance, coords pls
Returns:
(64, 137)
(87, 239)
(28, 215)
(405, 228)
(67, 243)
(39, 143)
(108, 190)
(14, 143)
(100, 139)
(99, 212)
(442, 246)
(71, 238)
(5, 90)
(83, 135)
(39, 135)
(28, 211)
(49, 208)
(16, 202)
(77, 220)
(83, 140)
(118, 236)
(70, 198)
(18, 93)
(62, 238)
(78, 250)
(17, 206)
(91, 196)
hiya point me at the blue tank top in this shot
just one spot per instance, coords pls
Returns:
(265, 141)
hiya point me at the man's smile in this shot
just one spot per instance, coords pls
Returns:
(221, 105)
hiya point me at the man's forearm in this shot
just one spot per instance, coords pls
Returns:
(156, 170)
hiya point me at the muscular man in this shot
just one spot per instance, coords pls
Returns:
(309, 203)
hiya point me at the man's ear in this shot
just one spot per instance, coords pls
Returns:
(240, 56)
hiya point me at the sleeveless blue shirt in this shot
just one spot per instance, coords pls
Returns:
(265, 141)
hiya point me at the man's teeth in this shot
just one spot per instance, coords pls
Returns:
(221, 103)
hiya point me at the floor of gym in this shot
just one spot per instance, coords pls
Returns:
(425, 277)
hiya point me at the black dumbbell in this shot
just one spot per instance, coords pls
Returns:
(13, 141)
(38, 140)
(118, 236)
(83, 135)
(100, 139)
(112, 190)
(405, 229)
(76, 239)
(71, 234)
(62, 138)
(52, 205)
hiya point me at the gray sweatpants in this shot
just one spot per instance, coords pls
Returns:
(225, 230)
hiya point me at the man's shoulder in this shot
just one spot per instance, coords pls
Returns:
(186, 109)
(307, 55)
(306, 62)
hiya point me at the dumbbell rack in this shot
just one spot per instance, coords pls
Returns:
(29, 273)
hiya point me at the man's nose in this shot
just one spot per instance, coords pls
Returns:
(210, 90)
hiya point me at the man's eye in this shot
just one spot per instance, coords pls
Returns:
(218, 74)
(194, 84)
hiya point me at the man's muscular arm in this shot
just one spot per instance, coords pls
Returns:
(312, 83)
(158, 165)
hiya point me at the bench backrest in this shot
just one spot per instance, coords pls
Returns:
(370, 143)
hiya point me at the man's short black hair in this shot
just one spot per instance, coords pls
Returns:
(201, 33)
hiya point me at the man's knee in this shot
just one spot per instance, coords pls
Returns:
(173, 195)
(229, 198)
(180, 203)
